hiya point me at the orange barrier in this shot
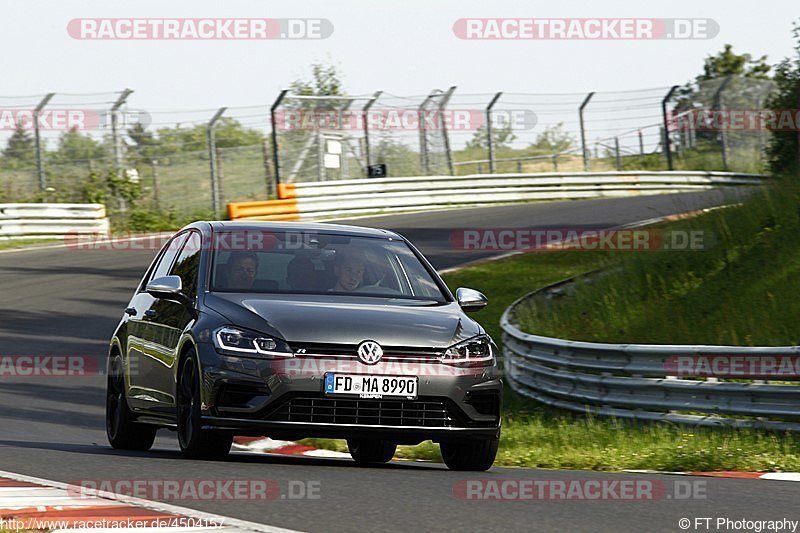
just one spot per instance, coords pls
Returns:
(263, 208)
(287, 190)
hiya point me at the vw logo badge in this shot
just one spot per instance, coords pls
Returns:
(369, 352)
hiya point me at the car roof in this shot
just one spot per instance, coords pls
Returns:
(317, 227)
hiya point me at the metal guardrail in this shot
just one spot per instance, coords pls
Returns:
(306, 201)
(634, 381)
(51, 220)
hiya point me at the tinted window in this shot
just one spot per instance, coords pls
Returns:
(187, 264)
(305, 263)
(167, 257)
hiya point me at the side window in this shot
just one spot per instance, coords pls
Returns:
(188, 264)
(171, 250)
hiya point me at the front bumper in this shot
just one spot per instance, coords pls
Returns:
(285, 399)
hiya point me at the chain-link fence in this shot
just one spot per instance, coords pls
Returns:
(196, 161)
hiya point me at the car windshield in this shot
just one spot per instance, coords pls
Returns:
(312, 263)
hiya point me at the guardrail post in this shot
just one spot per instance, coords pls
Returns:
(445, 136)
(365, 117)
(718, 107)
(275, 159)
(212, 157)
(583, 130)
(489, 139)
(667, 148)
(38, 140)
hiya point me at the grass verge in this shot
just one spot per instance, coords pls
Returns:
(738, 290)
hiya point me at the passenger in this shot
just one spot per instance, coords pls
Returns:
(301, 274)
(349, 266)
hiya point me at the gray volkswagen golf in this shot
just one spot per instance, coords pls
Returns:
(294, 330)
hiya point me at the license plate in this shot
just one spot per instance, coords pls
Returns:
(367, 386)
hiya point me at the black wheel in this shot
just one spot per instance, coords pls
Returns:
(196, 442)
(371, 451)
(475, 455)
(123, 433)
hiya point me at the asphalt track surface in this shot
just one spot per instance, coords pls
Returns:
(62, 301)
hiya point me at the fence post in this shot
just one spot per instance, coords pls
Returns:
(38, 140)
(489, 140)
(445, 135)
(116, 141)
(641, 143)
(365, 118)
(115, 137)
(555, 162)
(212, 157)
(583, 130)
(423, 141)
(667, 149)
(718, 107)
(275, 159)
(156, 199)
(268, 169)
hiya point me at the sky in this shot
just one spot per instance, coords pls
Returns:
(403, 47)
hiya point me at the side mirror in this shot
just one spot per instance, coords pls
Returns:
(470, 299)
(167, 288)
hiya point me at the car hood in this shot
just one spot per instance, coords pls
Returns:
(347, 319)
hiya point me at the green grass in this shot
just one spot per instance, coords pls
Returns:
(25, 243)
(743, 289)
(740, 291)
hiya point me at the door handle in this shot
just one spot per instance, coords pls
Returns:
(131, 311)
(150, 313)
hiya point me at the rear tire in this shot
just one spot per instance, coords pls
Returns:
(474, 455)
(195, 442)
(371, 451)
(123, 433)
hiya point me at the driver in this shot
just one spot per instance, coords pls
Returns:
(241, 270)
(349, 266)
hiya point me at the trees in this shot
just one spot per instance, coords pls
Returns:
(727, 62)
(502, 137)
(783, 150)
(20, 149)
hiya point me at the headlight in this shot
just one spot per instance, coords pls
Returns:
(477, 351)
(240, 342)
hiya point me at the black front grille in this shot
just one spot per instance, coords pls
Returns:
(321, 410)
(351, 350)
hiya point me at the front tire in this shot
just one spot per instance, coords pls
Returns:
(123, 433)
(371, 451)
(196, 442)
(472, 455)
